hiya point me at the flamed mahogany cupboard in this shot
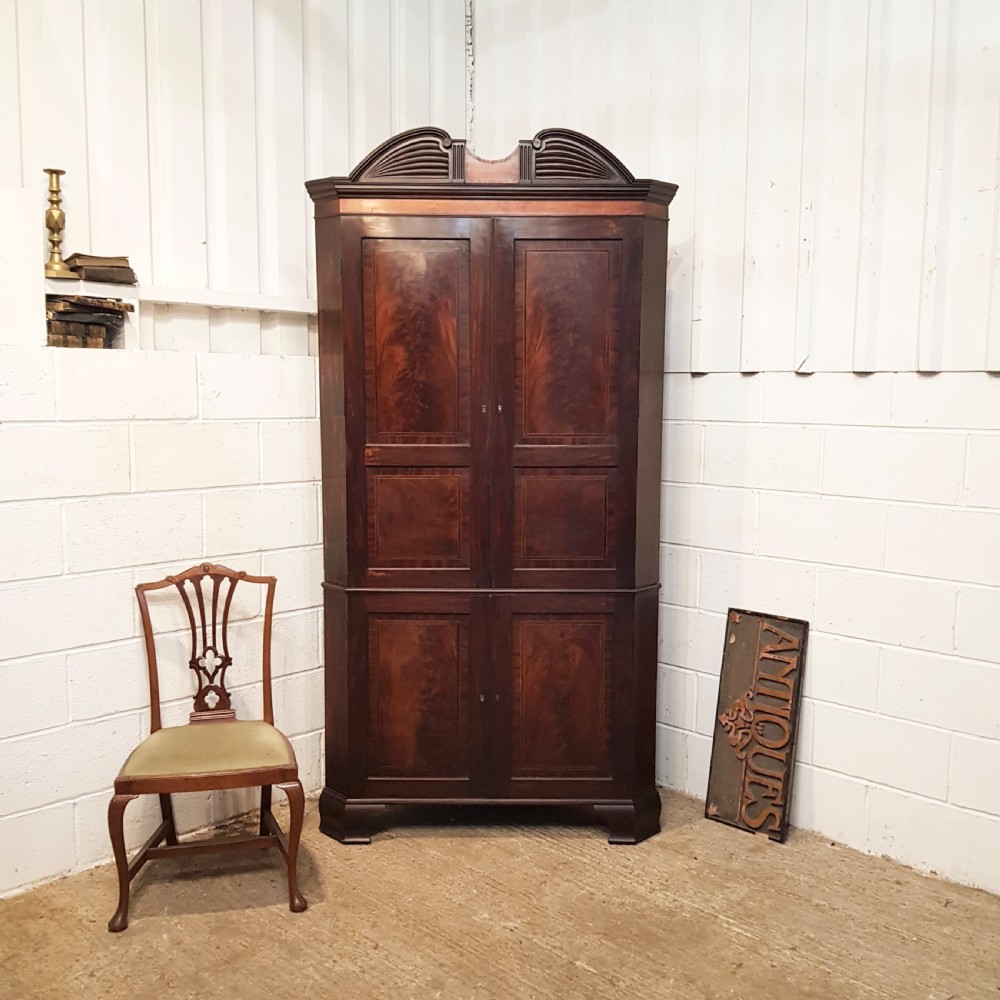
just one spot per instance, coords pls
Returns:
(491, 358)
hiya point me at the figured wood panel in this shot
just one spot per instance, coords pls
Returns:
(418, 672)
(416, 305)
(419, 517)
(566, 340)
(564, 518)
(562, 677)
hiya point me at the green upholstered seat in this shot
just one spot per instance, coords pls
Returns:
(209, 747)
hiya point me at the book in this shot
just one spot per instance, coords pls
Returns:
(76, 303)
(114, 275)
(61, 334)
(82, 321)
(76, 260)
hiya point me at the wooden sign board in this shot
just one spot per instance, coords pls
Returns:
(756, 720)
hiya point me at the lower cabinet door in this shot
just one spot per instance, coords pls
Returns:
(554, 664)
(464, 696)
(416, 698)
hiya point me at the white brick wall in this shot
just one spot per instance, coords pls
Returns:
(118, 467)
(870, 506)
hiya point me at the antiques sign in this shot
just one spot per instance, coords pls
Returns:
(753, 746)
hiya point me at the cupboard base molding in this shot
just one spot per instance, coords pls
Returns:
(354, 820)
(631, 822)
(350, 822)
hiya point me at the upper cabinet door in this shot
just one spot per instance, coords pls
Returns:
(565, 340)
(417, 399)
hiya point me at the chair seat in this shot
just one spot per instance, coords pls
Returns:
(209, 748)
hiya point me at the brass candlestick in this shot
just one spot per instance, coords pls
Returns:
(55, 223)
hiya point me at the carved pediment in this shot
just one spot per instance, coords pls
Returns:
(554, 155)
(421, 154)
(558, 154)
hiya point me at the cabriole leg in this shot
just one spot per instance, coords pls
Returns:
(116, 827)
(296, 808)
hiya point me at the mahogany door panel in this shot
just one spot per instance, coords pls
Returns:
(418, 396)
(417, 340)
(564, 518)
(419, 675)
(565, 309)
(554, 677)
(566, 296)
(421, 680)
(420, 519)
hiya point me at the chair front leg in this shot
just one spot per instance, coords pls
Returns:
(116, 827)
(296, 808)
(265, 808)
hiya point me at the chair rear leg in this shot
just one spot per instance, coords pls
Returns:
(296, 807)
(116, 827)
(167, 812)
(265, 808)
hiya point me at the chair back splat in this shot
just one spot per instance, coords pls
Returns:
(210, 655)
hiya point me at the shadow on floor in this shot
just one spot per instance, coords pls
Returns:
(218, 883)
(501, 821)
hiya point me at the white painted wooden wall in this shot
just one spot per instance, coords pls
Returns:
(188, 127)
(837, 162)
(835, 233)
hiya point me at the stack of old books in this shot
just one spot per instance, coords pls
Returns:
(115, 270)
(82, 321)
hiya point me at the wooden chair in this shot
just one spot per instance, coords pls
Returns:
(214, 750)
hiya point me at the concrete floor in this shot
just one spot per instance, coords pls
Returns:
(510, 911)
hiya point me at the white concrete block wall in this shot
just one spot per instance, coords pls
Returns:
(116, 468)
(870, 506)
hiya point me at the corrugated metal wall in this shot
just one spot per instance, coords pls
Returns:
(187, 128)
(837, 162)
